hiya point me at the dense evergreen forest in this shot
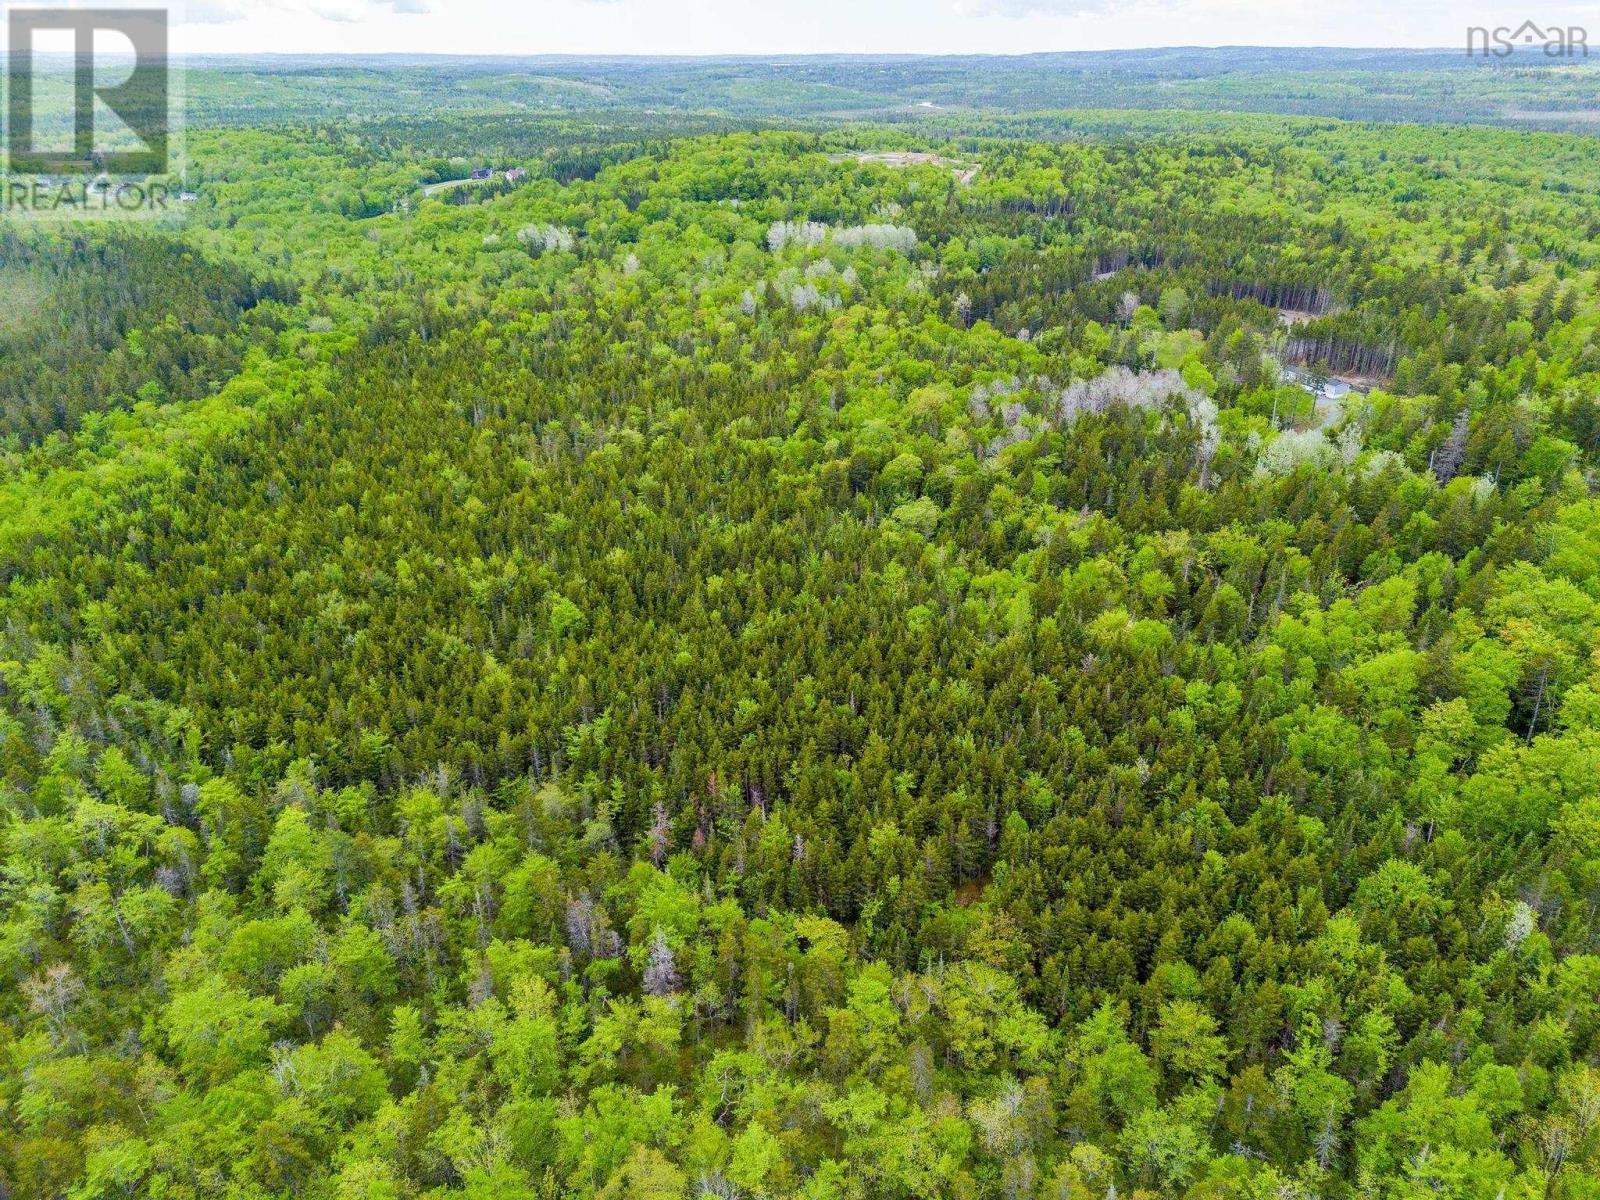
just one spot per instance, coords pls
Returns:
(844, 663)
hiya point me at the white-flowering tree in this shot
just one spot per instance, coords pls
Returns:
(547, 237)
(799, 233)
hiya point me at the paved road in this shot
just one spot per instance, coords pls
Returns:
(448, 183)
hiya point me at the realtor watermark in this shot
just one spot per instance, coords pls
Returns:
(83, 199)
(1556, 41)
(92, 125)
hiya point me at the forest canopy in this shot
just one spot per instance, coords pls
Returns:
(1031, 656)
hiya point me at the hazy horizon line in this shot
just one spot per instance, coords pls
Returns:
(763, 56)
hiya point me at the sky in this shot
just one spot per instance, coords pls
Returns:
(831, 26)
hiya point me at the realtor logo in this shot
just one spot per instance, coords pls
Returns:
(117, 128)
(1557, 41)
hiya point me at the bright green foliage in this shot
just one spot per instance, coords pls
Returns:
(747, 665)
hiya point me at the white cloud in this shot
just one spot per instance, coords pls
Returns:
(342, 12)
(1021, 9)
(213, 12)
(827, 26)
(1134, 10)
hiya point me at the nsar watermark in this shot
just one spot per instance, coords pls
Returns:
(1556, 41)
